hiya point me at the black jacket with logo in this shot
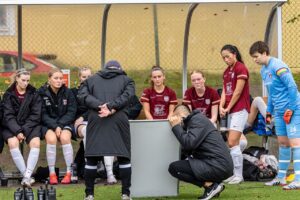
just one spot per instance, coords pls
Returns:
(21, 117)
(58, 110)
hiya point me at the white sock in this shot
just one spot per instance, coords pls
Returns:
(108, 161)
(51, 157)
(237, 158)
(18, 160)
(68, 154)
(83, 132)
(243, 145)
(31, 161)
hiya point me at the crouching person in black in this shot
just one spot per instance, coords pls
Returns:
(21, 120)
(209, 161)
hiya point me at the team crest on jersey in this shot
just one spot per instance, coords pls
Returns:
(207, 101)
(65, 101)
(166, 98)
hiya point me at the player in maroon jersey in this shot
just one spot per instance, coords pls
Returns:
(235, 102)
(201, 97)
(159, 100)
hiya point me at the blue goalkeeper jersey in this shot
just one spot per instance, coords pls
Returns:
(282, 89)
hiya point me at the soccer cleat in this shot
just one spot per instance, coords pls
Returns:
(212, 191)
(90, 197)
(67, 178)
(26, 182)
(236, 180)
(125, 197)
(276, 181)
(295, 185)
(53, 179)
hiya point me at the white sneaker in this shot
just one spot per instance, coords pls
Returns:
(125, 197)
(32, 180)
(26, 182)
(276, 181)
(236, 180)
(111, 180)
(228, 179)
(90, 197)
(295, 185)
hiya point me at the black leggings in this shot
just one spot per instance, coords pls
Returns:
(182, 170)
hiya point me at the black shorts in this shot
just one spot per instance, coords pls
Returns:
(6, 133)
(68, 127)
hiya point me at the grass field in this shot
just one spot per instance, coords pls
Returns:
(244, 191)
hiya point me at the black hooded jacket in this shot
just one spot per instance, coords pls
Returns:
(199, 137)
(82, 110)
(108, 136)
(58, 110)
(21, 117)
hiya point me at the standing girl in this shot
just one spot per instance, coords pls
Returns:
(235, 102)
(284, 105)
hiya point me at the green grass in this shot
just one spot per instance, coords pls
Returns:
(244, 191)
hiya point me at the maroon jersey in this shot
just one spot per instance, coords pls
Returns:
(230, 77)
(203, 103)
(159, 102)
(21, 97)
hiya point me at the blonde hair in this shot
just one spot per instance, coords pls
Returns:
(84, 68)
(20, 72)
(196, 71)
(52, 71)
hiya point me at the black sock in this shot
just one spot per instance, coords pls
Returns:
(90, 173)
(125, 175)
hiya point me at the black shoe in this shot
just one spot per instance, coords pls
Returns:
(212, 191)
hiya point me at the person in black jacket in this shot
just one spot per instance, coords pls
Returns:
(58, 115)
(209, 161)
(81, 124)
(21, 122)
(107, 95)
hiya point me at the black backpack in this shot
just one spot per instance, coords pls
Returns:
(251, 172)
(134, 108)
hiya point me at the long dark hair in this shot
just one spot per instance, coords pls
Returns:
(233, 49)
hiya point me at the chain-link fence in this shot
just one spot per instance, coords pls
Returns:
(291, 33)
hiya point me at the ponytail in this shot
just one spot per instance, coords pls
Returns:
(234, 50)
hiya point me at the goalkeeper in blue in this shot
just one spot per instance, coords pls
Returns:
(284, 105)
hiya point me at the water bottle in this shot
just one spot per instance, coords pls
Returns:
(46, 191)
(74, 176)
(223, 123)
(52, 193)
(29, 194)
(41, 193)
(18, 195)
